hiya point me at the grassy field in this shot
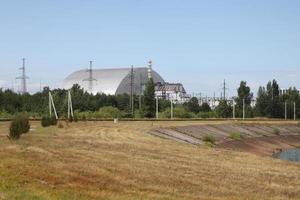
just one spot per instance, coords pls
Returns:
(102, 160)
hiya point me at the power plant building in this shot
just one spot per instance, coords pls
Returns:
(113, 81)
(116, 81)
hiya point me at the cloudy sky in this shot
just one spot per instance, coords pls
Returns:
(198, 43)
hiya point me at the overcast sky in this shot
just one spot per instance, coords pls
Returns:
(198, 43)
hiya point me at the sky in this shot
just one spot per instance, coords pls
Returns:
(198, 43)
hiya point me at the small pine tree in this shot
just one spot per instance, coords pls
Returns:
(19, 125)
(149, 99)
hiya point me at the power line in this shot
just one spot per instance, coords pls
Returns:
(23, 78)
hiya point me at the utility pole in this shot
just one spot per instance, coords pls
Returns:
(141, 91)
(224, 89)
(285, 111)
(171, 109)
(90, 79)
(243, 108)
(23, 78)
(51, 105)
(131, 91)
(233, 110)
(156, 107)
(294, 110)
(70, 106)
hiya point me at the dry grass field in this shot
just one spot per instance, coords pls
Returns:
(102, 160)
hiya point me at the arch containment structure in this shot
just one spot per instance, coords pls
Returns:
(114, 81)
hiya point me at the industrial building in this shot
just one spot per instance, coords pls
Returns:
(171, 91)
(115, 81)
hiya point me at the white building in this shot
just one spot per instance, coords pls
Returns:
(171, 91)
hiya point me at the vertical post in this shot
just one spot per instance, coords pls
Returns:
(171, 109)
(51, 100)
(71, 105)
(294, 110)
(50, 110)
(68, 97)
(243, 108)
(156, 107)
(224, 88)
(141, 91)
(233, 110)
(285, 112)
(131, 91)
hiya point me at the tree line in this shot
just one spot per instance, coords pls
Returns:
(269, 103)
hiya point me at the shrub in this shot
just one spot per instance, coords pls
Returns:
(276, 131)
(83, 115)
(60, 125)
(48, 121)
(138, 114)
(19, 125)
(178, 112)
(204, 115)
(5, 115)
(235, 135)
(209, 139)
(75, 118)
(108, 112)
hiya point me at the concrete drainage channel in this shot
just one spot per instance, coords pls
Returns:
(175, 135)
(262, 139)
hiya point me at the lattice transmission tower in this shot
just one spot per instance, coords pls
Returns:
(23, 78)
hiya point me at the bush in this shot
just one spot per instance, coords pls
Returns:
(83, 118)
(5, 115)
(75, 118)
(108, 112)
(178, 112)
(205, 115)
(276, 131)
(235, 135)
(139, 114)
(48, 121)
(209, 139)
(60, 125)
(19, 125)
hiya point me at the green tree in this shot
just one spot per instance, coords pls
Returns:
(245, 95)
(224, 109)
(274, 108)
(149, 99)
(193, 105)
(205, 107)
(260, 109)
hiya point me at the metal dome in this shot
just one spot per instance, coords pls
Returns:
(113, 81)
